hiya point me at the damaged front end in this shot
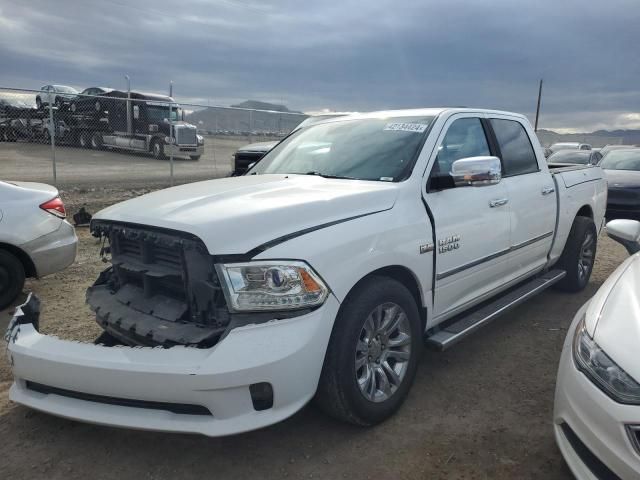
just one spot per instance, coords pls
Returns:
(160, 290)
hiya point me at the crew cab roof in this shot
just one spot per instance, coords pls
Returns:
(417, 112)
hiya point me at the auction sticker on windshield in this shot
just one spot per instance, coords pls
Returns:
(406, 127)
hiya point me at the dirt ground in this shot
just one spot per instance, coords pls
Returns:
(94, 168)
(482, 410)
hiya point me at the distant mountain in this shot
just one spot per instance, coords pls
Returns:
(213, 119)
(257, 105)
(597, 139)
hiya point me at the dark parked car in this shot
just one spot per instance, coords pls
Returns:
(573, 157)
(249, 154)
(86, 101)
(622, 170)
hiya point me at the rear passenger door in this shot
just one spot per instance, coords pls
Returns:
(531, 193)
(471, 222)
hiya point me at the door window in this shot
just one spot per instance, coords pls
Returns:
(518, 156)
(465, 138)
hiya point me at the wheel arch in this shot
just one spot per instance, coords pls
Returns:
(585, 211)
(406, 277)
(25, 259)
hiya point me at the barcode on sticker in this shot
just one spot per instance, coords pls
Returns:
(406, 127)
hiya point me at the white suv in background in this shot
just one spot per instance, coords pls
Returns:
(35, 238)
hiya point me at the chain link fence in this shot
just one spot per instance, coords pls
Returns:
(106, 137)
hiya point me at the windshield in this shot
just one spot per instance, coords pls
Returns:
(382, 149)
(157, 113)
(622, 160)
(570, 156)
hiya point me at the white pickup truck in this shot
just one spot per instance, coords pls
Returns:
(321, 273)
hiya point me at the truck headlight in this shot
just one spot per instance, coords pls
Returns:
(602, 370)
(271, 285)
(200, 139)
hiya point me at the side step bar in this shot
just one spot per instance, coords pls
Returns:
(485, 313)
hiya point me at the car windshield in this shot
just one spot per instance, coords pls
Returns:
(570, 156)
(622, 160)
(382, 149)
(63, 89)
(157, 113)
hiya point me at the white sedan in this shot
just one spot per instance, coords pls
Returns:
(597, 404)
(35, 238)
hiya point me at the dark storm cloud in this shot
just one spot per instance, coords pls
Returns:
(345, 55)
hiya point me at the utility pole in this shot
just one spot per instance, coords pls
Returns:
(171, 88)
(538, 107)
(129, 120)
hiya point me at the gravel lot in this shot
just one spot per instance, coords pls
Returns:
(479, 411)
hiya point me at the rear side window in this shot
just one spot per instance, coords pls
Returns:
(518, 156)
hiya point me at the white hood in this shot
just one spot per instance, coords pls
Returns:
(613, 316)
(237, 214)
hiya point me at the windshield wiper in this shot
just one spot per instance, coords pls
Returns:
(326, 175)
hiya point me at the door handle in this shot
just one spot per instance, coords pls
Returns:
(498, 202)
(548, 190)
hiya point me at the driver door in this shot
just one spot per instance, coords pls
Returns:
(472, 223)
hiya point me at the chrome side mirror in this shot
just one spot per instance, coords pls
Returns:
(625, 232)
(476, 171)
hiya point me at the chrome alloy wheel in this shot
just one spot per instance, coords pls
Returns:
(586, 257)
(382, 352)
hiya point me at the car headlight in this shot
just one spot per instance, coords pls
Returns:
(200, 139)
(271, 285)
(602, 370)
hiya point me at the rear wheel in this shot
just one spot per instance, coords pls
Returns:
(11, 278)
(96, 141)
(195, 157)
(579, 255)
(157, 148)
(373, 353)
(84, 140)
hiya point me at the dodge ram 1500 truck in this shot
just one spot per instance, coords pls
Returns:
(231, 303)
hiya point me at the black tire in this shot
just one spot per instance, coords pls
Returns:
(339, 394)
(195, 158)
(96, 141)
(84, 140)
(157, 149)
(11, 278)
(581, 245)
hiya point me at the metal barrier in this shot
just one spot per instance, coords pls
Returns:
(104, 136)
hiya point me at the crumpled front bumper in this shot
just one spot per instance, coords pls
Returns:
(287, 353)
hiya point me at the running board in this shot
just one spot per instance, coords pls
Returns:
(470, 322)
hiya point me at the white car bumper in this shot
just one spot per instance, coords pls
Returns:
(150, 388)
(590, 428)
(54, 251)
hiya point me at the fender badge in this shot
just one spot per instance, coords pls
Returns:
(427, 247)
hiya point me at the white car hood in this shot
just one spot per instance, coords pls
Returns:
(236, 214)
(613, 316)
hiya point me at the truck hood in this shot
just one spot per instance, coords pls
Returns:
(613, 316)
(237, 214)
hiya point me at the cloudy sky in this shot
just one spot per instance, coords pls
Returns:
(341, 54)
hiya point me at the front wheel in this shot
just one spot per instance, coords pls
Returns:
(96, 141)
(578, 256)
(157, 148)
(373, 353)
(11, 278)
(83, 139)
